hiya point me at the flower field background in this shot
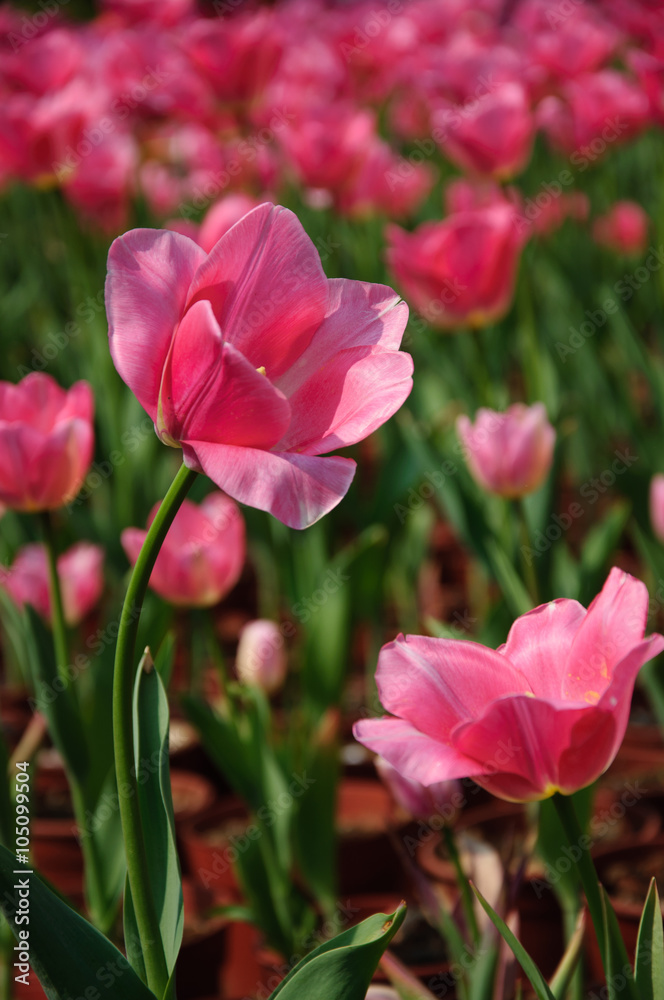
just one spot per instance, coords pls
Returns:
(497, 164)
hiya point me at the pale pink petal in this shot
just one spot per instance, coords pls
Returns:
(414, 754)
(348, 398)
(358, 314)
(149, 274)
(617, 698)
(267, 288)
(614, 625)
(296, 489)
(539, 643)
(210, 392)
(437, 683)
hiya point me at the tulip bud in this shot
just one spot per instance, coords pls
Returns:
(657, 505)
(624, 228)
(509, 453)
(261, 657)
(422, 802)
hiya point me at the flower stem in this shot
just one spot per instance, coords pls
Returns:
(584, 865)
(123, 735)
(58, 625)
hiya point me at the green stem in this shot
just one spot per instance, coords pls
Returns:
(58, 625)
(584, 865)
(123, 735)
(529, 575)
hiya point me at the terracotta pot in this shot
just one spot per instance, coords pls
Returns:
(54, 842)
(210, 846)
(241, 973)
(625, 871)
(193, 796)
(367, 860)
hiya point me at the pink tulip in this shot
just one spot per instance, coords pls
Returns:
(203, 553)
(261, 657)
(461, 271)
(46, 442)
(657, 505)
(624, 228)
(80, 571)
(492, 135)
(509, 453)
(545, 712)
(443, 798)
(252, 361)
(218, 220)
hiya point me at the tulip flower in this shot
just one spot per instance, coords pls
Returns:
(657, 505)
(80, 571)
(624, 228)
(509, 453)
(261, 657)
(491, 136)
(546, 712)
(441, 798)
(46, 442)
(461, 271)
(252, 361)
(203, 553)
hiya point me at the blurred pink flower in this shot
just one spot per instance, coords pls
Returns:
(261, 656)
(80, 571)
(252, 361)
(544, 713)
(46, 442)
(217, 220)
(203, 553)
(624, 228)
(492, 135)
(461, 271)
(509, 453)
(657, 505)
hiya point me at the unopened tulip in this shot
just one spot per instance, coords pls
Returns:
(657, 505)
(546, 712)
(261, 656)
(202, 555)
(624, 228)
(252, 361)
(442, 798)
(80, 572)
(46, 442)
(461, 271)
(509, 453)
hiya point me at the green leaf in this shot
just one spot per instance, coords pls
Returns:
(154, 795)
(537, 980)
(617, 967)
(562, 977)
(165, 658)
(66, 952)
(341, 969)
(649, 963)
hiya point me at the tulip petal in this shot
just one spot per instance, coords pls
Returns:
(349, 397)
(211, 392)
(297, 489)
(149, 274)
(56, 469)
(414, 754)
(358, 314)
(437, 683)
(540, 641)
(267, 288)
(614, 624)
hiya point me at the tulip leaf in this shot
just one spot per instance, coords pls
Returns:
(68, 954)
(537, 980)
(649, 963)
(619, 979)
(156, 806)
(341, 969)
